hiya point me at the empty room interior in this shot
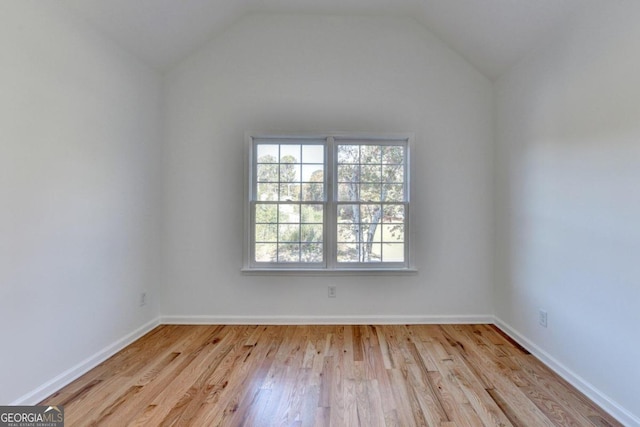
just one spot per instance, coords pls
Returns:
(341, 212)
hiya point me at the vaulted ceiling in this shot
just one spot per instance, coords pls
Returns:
(491, 34)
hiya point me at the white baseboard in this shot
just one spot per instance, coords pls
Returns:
(617, 411)
(325, 320)
(55, 384)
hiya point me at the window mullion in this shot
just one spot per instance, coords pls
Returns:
(331, 246)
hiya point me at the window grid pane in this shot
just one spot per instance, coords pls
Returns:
(370, 232)
(370, 173)
(288, 228)
(283, 174)
(288, 232)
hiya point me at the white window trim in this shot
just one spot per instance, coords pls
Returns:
(331, 267)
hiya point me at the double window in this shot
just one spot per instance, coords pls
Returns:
(328, 202)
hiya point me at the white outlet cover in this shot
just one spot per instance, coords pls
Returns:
(543, 318)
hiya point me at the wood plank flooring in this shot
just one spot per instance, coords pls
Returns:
(382, 375)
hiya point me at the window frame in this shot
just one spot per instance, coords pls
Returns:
(330, 264)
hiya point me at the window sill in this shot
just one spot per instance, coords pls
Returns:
(330, 272)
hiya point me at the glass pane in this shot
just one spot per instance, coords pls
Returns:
(393, 154)
(370, 154)
(266, 233)
(373, 253)
(290, 192)
(370, 213)
(266, 252)
(311, 233)
(312, 213)
(267, 192)
(348, 252)
(393, 252)
(267, 173)
(288, 233)
(370, 233)
(313, 192)
(348, 153)
(394, 214)
(313, 173)
(289, 213)
(348, 173)
(311, 252)
(289, 153)
(313, 153)
(393, 193)
(370, 192)
(393, 174)
(288, 252)
(348, 213)
(393, 233)
(348, 233)
(266, 213)
(289, 172)
(348, 192)
(267, 153)
(370, 173)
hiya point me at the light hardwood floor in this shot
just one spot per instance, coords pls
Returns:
(382, 375)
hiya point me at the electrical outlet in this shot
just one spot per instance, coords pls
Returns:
(542, 318)
(143, 299)
(332, 291)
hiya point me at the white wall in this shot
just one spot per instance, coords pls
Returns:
(568, 201)
(79, 122)
(319, 73)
